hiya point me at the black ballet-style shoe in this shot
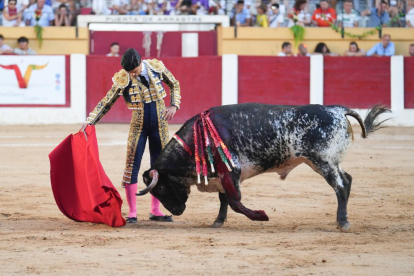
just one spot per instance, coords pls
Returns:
(131, 220)
(160, 218)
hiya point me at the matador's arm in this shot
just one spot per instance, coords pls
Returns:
(174, 86)
(121, 80)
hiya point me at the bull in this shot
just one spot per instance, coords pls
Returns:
(261, 138)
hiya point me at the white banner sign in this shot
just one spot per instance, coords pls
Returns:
(32, 80)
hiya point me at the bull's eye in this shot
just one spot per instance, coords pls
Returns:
(162, 190)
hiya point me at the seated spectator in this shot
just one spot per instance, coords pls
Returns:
(23, 47)
(114, 50)
(378, 16)
(62, 17)
(47, 16)
(99, 7)
(349, 18)
(322, 49)
(384, 48)
(275, 17)
(12, 17)
(217, 7)
(240, 16)
(286, 50)
(411, 50)
(324, 16)
(354, 50)
(201, 7)
(185, 7)
(4, 48)
(21, 5)
(409, 16)
(394, 11)
(298, 14)
(303, 50)
(55, 4)
(261, 18)
(354, 2)
(120, 7)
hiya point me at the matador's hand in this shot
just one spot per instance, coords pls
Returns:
(170, 112)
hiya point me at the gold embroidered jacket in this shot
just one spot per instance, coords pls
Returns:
(135, 93)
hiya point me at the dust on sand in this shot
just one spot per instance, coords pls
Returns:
(301, 237)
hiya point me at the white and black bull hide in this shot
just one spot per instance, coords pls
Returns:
(262, 138)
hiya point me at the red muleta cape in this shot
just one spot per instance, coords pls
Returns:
(82, 190)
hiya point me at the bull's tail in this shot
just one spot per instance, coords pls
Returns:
(371, 123)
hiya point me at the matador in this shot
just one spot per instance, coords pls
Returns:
(140, 83)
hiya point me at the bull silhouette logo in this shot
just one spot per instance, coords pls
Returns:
(23, 81)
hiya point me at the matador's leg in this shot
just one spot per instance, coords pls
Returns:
(136, 144)
(158, 139)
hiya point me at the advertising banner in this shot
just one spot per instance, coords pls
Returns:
(32, 80)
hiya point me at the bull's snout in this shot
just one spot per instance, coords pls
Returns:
(177, 211)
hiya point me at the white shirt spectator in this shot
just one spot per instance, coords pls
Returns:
(44, 21)
(5, 47)
(349, 19)
(409, 17)
(222, 5)
(281, 54)
(302, 16)
(100, 7)
(275, 19)
(115, 55)
(19, 4)
(29, 51)
(119, 3)
(11, 23)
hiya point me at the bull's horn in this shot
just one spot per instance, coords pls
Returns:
(154, 175)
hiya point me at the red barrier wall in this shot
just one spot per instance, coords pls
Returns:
(408, 82)
(171, 43)
(357, 82)
(200, 81)
(274, 80)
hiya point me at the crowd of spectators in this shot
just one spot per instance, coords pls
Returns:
(260, 13)
(384, 48)
(324, 13)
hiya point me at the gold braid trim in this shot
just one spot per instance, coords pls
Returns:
(137, 123)
(174, 86)
(162, 123)
(104, 105)
(121, 79)
(155, 65)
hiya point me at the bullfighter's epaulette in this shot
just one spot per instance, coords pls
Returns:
(121, 79)
(155, 65)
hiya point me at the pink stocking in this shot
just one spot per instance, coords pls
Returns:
(155, 207)
(131, 190)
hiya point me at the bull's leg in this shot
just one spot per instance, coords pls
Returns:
(230, 182)
(222, 215)
(341, 183)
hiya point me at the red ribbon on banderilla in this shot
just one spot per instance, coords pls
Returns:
(202, 145)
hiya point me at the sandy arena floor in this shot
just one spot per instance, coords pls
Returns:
(300, 239)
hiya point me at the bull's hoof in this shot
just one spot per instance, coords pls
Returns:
(217, 224)
(343, 226)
